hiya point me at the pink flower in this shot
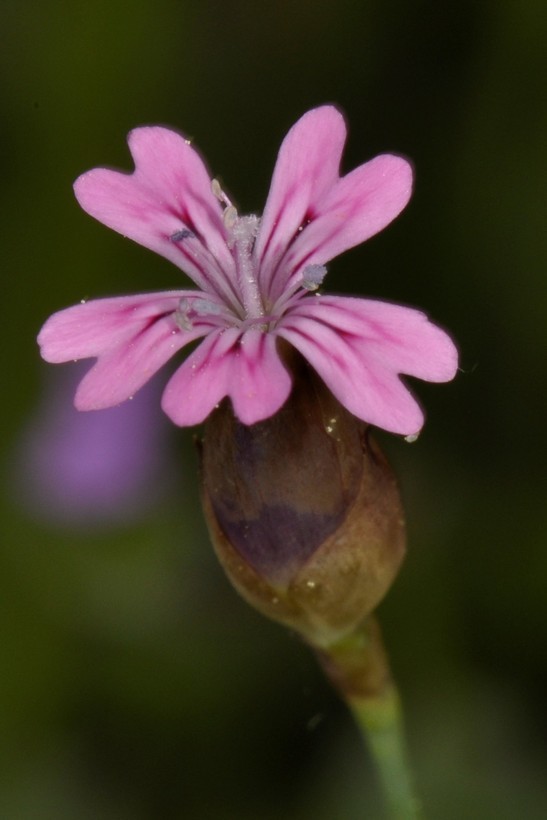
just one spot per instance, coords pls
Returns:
(255, 283)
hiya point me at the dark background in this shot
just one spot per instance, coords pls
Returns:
(134, 683)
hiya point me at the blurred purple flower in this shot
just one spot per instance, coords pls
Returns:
(86, 469)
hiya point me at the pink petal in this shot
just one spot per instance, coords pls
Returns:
(398, 337)
(359, 347)
(358, 206)
(120, 372)
(245, 367)
(306, 168)
(168, 193)
(95, 327)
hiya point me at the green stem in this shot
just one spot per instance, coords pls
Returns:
(358, 667)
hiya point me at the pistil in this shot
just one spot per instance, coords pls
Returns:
(242, 238)
(242, 232)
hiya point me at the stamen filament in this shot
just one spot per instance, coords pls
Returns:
(203, 261)
(242, 233)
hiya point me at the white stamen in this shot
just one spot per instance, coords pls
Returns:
(412, 438)
(242, 232)
(313, 276)
(216, 189)
(230, 211)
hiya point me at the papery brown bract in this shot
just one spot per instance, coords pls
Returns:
(303, 511)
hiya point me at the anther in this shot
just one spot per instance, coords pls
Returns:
(191, 310)
(313, 276)
(203, 307)
(229, 217)
(178, 236)
(182, 314)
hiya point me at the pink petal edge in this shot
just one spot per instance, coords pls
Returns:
(359, 348)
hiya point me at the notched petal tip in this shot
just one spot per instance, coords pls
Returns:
(247, 369)
(327, 115)
(149, 138)
(143, 138)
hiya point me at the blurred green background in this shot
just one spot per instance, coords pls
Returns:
(134, 683)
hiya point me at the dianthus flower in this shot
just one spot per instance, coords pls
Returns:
(255, 281)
